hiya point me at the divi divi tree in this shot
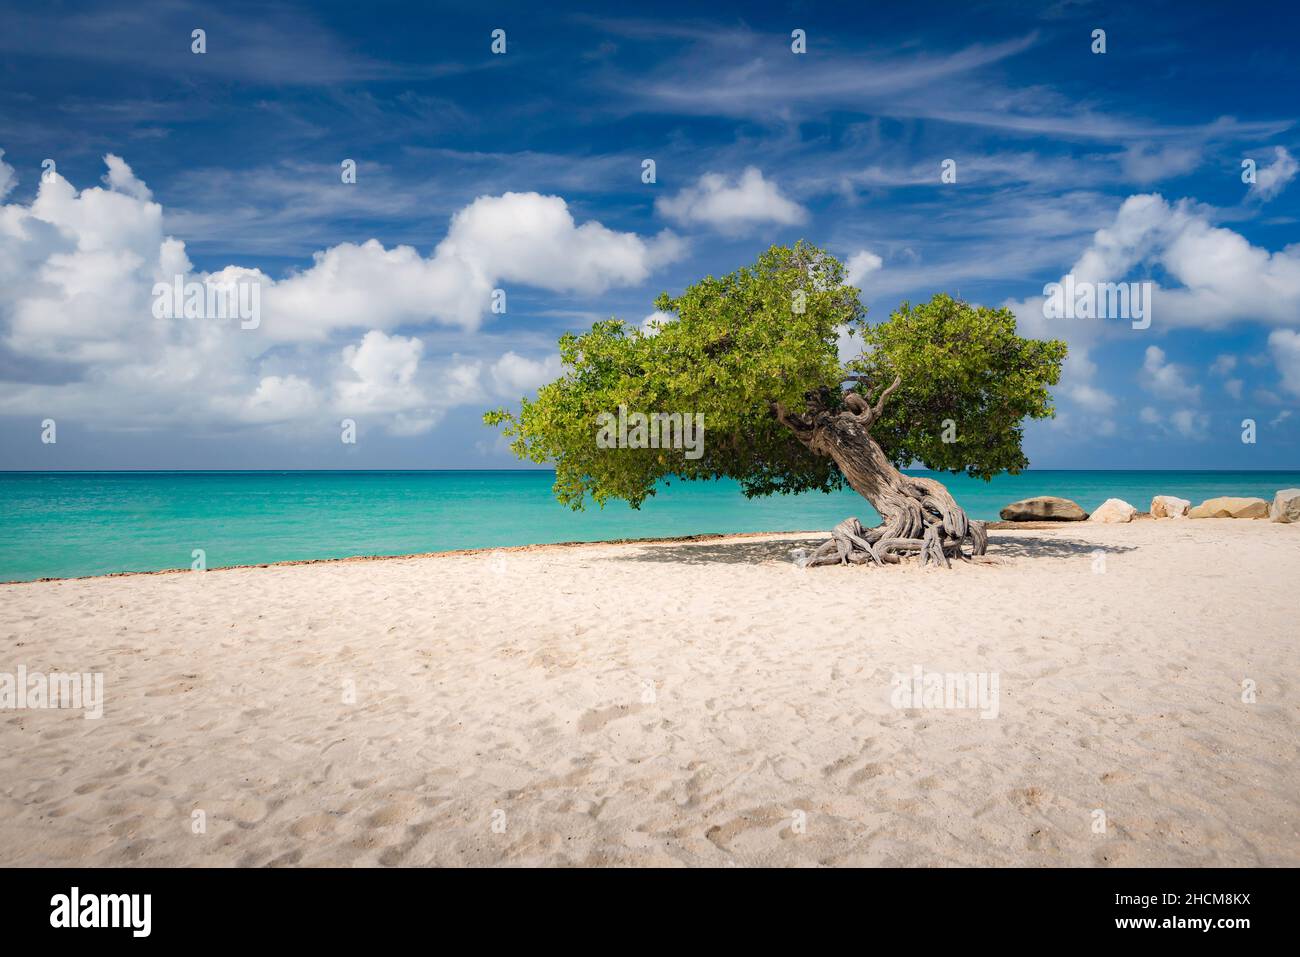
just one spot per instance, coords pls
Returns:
(760, 354)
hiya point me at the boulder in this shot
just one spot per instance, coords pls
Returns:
(1112, 511)
(1228, 506)
(1043, 508)
(1169, 506)
(1286, 506)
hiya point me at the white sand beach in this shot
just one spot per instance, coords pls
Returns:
(700, 703)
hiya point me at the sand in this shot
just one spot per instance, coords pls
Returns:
(700, 703)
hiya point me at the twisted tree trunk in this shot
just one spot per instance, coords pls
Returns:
(918, 515)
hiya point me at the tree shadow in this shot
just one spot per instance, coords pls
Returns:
(1002, 546)
(754, 553)
(723, 553)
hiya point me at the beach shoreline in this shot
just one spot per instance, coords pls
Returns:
(55, 526)
(530, 547)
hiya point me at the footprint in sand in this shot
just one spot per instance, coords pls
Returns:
(312, 826)
(595, 720)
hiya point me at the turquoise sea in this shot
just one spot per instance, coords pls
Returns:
(66, 524)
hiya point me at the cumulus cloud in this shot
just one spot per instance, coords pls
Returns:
(523, 238)
(1091, 397)
(532, 239)
(1273, 178)
(1185, 423)
(1222, 277)
(513, 375)
(121, 179)
(1223, 366)
(386, 376)
(78, 271)
(1166, 379)
(732, 207)
(276, 399)
(861, 265)
(1077, 385)
(380, 374)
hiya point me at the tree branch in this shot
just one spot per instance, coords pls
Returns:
(856, 404)
(798, 424)
(880, 402)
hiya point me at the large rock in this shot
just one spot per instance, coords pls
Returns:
(1043, 508)
(1286, 506)
(1113, 511)
(1228, 506)
(1169, 506)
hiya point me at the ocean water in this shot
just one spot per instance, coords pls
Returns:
(65, 524)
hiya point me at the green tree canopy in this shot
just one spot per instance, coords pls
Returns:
(771, 333)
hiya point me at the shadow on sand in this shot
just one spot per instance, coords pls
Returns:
(723, 553)
(1003, 546)
(753, 553)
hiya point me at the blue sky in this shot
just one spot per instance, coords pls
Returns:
(522, 171)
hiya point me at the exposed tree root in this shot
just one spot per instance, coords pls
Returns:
(851, 544)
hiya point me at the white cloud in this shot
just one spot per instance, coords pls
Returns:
(532, 239)
(1272, 179)
(1284, 344)
(732, 208)
(352, 285)
(385, 376)
(1147, 163)
(523, 238)
(861, 265)
(78, 268)
(1222, 277)
(1166, 379)
(380, 375)
(1091, 397)
(1077, 385)
(1223, 364)
(121, 179)
(1189, 423)
(1186, 423)
(276, 399)
(513, 374)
